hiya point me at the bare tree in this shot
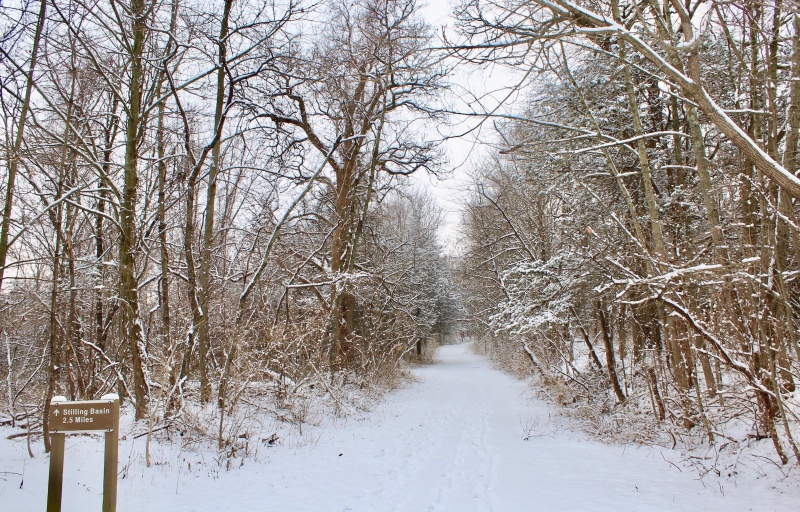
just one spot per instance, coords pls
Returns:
(376, 70)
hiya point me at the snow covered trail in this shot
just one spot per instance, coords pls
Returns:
(453, 441)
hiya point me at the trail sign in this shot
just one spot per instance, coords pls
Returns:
(85, 416)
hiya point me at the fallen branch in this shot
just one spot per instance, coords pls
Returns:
(24, 434)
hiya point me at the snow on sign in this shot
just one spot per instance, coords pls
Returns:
(84, 416)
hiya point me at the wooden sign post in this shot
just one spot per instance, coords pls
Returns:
(85, 416)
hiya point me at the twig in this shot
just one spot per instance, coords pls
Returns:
(23, 434)
(665, 460)
(159, 429)
(330, 392)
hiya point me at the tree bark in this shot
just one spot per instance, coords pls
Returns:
(203, 329)
(13, 163)
(608, 343)
(128, 244)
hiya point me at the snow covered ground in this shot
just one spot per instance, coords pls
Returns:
(462, 437)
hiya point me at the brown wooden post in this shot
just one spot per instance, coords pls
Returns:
(111, 458)
(56, 479)
(83, 416)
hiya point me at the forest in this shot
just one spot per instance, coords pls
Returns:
(204, 204)
(635, 236)
(198, 200)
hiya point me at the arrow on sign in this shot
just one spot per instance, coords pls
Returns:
(56, 413)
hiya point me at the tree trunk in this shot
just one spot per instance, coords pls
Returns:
(203, 329)
(592, 354)
(13, 163)
(128, 243)
(611, 363)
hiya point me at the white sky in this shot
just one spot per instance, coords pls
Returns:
(476, 89)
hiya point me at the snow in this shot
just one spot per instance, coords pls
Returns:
(461, 437)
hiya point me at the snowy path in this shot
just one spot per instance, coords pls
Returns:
(454, 441)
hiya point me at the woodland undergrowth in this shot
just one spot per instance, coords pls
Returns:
(585, 399)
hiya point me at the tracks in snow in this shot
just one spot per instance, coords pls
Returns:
(455, 442)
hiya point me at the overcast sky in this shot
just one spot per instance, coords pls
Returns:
(479, 89)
